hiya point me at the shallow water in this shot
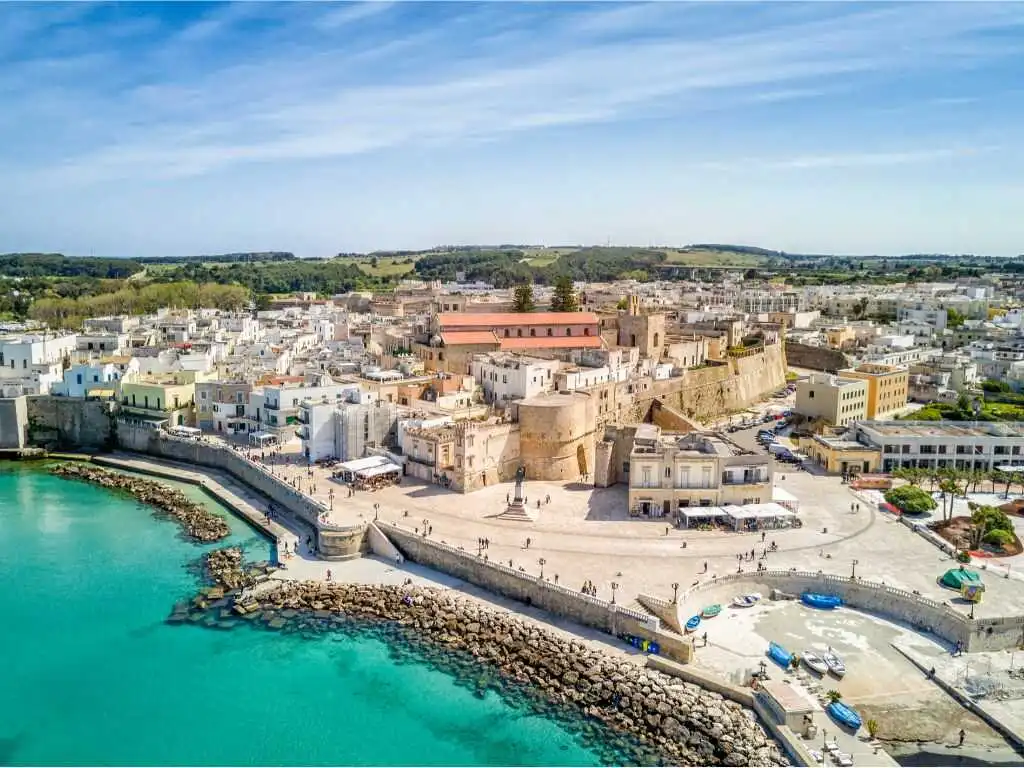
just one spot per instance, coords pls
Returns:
(93, 675)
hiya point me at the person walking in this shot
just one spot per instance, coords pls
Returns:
(527, 542)
(963, 734)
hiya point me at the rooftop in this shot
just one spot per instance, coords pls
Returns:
(944, 428)
(551, 342)
(477, 319)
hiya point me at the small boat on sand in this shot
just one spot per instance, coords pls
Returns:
(814, 662)
(692, 623)
(824, 602)
(834, 663)
(711, 611)
(746, 601)
(780, 655)
(844, 715)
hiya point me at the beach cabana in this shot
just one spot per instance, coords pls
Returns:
(955, 578)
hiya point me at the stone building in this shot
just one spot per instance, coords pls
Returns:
(670, 472)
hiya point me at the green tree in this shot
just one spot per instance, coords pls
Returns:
(564, 299)
(262, 301)
(522, 298)
(954, 318)
(910, 499)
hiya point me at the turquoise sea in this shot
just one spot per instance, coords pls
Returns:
(93, 676)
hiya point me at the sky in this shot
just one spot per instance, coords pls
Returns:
(155, 129)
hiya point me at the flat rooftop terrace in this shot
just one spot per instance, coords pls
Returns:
(945, 428)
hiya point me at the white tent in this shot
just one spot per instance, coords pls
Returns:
(262, 438)
(767, 515)
(690, 514)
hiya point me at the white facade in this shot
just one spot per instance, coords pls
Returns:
(79, 379)
(513, 377)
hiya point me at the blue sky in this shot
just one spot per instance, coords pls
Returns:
(178, 128)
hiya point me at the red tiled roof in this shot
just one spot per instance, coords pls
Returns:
(495, 319)
(468, 337)
(552, 342)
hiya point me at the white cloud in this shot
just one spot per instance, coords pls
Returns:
(237, 102)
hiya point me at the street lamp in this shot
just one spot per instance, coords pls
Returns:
(853, 571)
(972, 608)
(615, 586)
(376, 511)
(675, 592)
(541, 561)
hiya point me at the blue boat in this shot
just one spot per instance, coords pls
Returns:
(844, 715)
(825, 602)
(692, 623)
(780, 655)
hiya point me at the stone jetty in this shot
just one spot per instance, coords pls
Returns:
(658, 718)
(198, 523)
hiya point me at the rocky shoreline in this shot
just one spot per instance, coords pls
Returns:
(198, 523)
(656, 718)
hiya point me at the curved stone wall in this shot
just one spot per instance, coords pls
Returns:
(556, 432)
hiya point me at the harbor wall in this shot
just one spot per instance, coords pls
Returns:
(13, 423)
(880, 599)
(70, 422)
(333, 542)
(534, 591)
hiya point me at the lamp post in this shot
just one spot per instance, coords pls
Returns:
(376, 511)
(972, 608)
(615, 585)
(541, 561)
(853, 571)
(675, 592)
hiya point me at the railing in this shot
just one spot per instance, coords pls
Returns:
(831, 579)
(651, 621)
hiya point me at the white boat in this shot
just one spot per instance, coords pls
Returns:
(746, 601)
(834, 663)
(814, 662)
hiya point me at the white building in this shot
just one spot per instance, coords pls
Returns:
(81, 378)
(977, 445)
(346, 431)
(506, 377)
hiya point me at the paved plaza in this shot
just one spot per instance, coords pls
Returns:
(584, 534)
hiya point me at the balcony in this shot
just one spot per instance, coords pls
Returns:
(302, 432)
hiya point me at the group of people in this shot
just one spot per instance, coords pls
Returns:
(588, 588)
(482, 544)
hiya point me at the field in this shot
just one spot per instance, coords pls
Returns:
(714, 258)
(386, 266)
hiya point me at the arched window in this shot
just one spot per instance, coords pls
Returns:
(586, 331)
(533, 331)
(550, 332)
(519, 332)
(506, 333)
(568, 331)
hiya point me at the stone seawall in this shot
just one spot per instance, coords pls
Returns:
(198, 523)
(651, 718)
(888, 602)
(333, 542)
(70, 422)
(531, 590)
(13, 423)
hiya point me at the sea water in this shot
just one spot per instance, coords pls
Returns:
(92, 675)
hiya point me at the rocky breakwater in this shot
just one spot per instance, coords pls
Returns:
(659, 718)
(198, 523)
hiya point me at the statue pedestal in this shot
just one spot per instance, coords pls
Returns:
(517, 510)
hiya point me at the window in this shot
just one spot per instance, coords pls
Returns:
(906, 449)
(942, 449)
(586, 331)
(810, 394)
(519, 332)
(568, 331)
(507, 332)
(550, 332)
(79, 378)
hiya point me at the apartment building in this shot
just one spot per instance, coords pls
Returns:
(163, 399)
(887, 387)
(345, 430)
(834, 399)
(670, 472)
(977, 445)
